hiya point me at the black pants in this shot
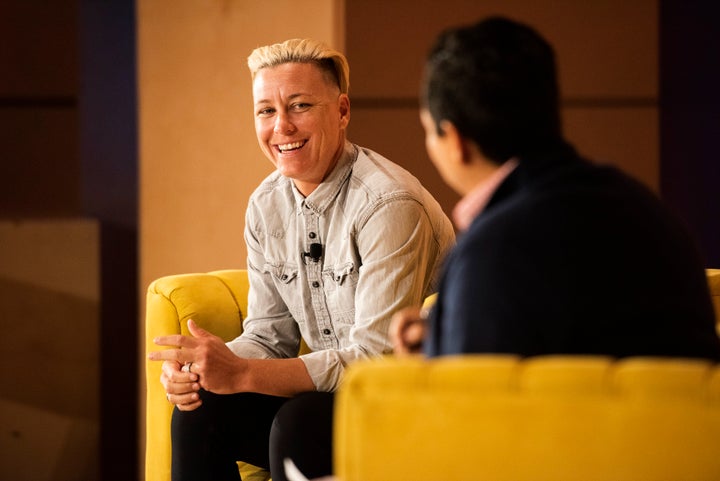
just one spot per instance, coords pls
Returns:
(254, 428)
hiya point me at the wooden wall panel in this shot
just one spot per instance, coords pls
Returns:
(50, 319)
(40, 168)
(604, 47)
(607, 52)
(625, 137)
(38, 51)
(397, 134)
(39, 137)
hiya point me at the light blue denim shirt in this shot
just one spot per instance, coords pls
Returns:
(383, 239)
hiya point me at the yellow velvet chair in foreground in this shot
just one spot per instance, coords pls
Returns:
(549, 418)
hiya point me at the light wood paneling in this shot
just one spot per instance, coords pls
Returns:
(604, 47)
(624, 137)
(396, 133)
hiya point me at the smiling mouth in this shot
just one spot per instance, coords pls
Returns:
(284, 148)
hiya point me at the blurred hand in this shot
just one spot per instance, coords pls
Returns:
(407, 331)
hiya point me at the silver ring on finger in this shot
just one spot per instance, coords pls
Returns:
(167, 396)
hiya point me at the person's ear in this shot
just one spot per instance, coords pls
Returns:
(344, 107)
(456, 148)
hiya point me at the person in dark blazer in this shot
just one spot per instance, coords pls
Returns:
(557, 255)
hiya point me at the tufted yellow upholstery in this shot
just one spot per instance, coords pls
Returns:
(216, 301)
(499, 418)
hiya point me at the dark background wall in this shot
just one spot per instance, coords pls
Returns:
(108, 133)
(68, 150)
(690, 117)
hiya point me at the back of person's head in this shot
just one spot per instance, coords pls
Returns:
(496, 82)
(303, 50)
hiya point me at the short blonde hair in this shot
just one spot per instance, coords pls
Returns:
(303, 50)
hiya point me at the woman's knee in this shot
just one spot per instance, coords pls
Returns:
(302, 431)
(305, 413)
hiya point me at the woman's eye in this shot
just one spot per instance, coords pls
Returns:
(301, 106)
(267, 111)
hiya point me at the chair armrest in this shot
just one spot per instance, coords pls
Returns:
(216, 301)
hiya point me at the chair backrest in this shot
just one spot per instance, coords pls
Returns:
(500, 418)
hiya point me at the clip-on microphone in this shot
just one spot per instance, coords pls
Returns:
(316, 251)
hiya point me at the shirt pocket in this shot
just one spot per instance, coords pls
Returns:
(340, 286)
(284, 276)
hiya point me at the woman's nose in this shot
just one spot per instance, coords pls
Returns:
(283, 125)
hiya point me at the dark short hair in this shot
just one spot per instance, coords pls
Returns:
(496, 82)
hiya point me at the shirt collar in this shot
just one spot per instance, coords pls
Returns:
(326, 192)
(477, 199)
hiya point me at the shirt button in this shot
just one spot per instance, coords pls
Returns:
(312, 235)
(316, 284)
(284, 277)
(326, 332)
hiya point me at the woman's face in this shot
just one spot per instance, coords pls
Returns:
(300, 121)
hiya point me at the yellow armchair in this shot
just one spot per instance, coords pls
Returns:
(217, 301)
(500, 418)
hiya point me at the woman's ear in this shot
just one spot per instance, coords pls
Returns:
(344, 102)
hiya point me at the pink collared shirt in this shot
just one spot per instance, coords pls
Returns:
(475, 201)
